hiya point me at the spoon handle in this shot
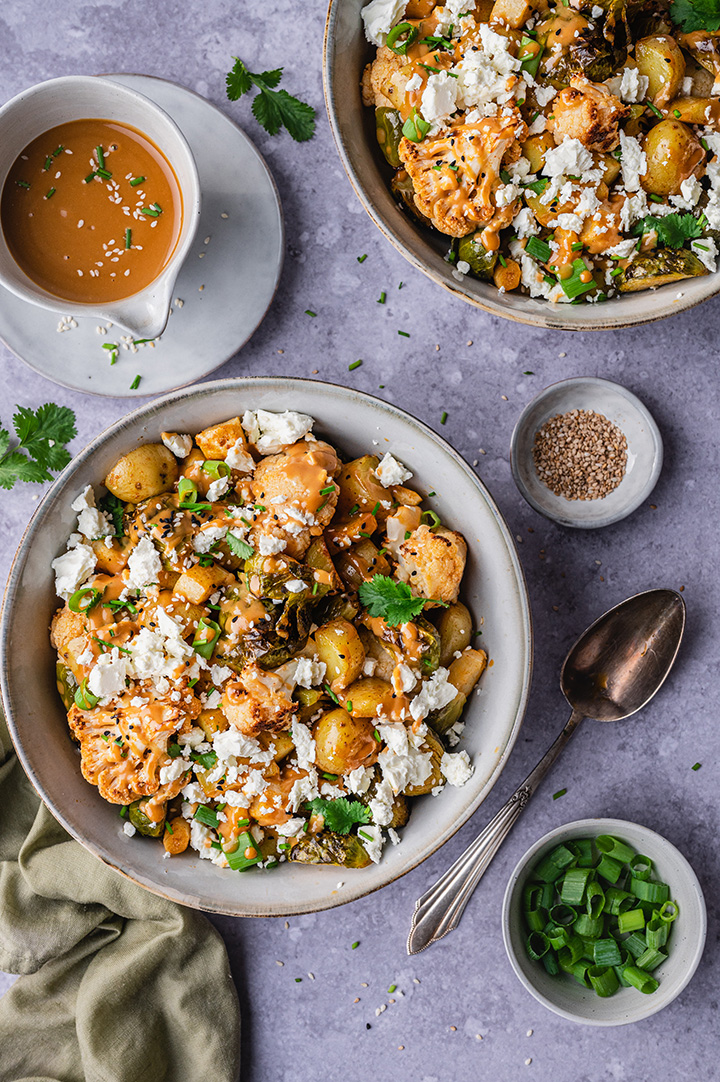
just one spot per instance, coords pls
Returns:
(439, 909)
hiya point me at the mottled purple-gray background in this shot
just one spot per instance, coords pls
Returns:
(464, 1016)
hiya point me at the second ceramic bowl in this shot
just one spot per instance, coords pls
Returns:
(624, 409)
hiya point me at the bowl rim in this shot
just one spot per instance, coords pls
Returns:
(601, 825)
(550, 320)
(647, 417)
(146, 413)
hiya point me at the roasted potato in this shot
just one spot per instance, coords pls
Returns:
(673, 154)
(145, 472)
(435, 746)
(359, 485)
(534, 150)
(368, 695)
(215, 442)
(660, 58)
(466, 670)
(339, 646)
(342, 742)
(176, 838)
(455, 627)
(695, 110)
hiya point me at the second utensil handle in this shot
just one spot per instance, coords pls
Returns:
(439, 910)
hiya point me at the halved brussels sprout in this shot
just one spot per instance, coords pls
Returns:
(425, 639)
(142, 823)
(67, 685)
(400, 806)
(388, 125)
(658, 268)
(344, 850)
(443, 719)
(482, 263)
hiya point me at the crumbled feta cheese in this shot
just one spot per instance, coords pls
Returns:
(358, 780)
(204, 541)
(633, 161)
(71, 569)
(391, 472)
(231, 743)
(403, 763)
(93, 524)
(690, 192)
(435, 693)
(413, 84)
(404, 679)
(622, 250)
(217, 489)
(439, 97)
(303, 789)
(271, 432)
(456, 767)
(544, 94)
(304, 744)
(173, 770)
(395, 839)
(633, 86)
(687, 85)
(525, 225)
(107, 677)
(201, 840)
(129, 829)
(634, 208)
(270, 546)
(571, 157)
(238, 458)
(295, 586)
(179, 443)
(309, 672)
(381, 805)
(144, 565)
(292, 829)
(571, 222)
(486, 77)
(372, 840)
(379, 18)
(505, 194)
(85, 500)
(220, 673)
(369, 666)
(706, 250)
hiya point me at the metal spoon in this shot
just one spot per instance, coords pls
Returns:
(611, 672)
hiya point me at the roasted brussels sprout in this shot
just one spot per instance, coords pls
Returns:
(400, 806)
(425, 640)
(142, 823)
(345, 850)
(443, 719)
(388, 125)
(66, 684)
(274, 641)
(402, 187)
(482, 263)
(658, 268)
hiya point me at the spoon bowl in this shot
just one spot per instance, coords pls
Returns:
(623, 659)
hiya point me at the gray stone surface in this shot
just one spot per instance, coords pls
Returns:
(468, 1017)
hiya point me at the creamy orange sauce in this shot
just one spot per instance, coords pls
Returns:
(74, 221)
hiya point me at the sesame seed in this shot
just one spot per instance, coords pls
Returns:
(580, 455)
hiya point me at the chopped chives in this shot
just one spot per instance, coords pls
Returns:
(392, 988)
(100, 157)
(309, 312)
(696, 766)
(135, 383)
(104, 173)
(677, 113)
(48, 163)
(150, 212)
(50, 194)
(653, 109)
(503, 260)
(23, 184)
(382, 298)
(404, 334)
(89, 177)
(655, 198)
(355, 944)
(560, 792)
(577, 246)
(58, 150)
(361, 258)
(128, 239)
(443, 417)
(354, 365)
(135, 181)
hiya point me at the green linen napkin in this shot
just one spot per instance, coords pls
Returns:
(118, 985)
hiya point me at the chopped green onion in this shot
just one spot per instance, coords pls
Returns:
(84, 599)
(217, 468)
(639, 979)
(560, 792)
(641, 867)
(245, 855)
(606, 952)
(631, 921)
(355, 945)
(577, 246)
(135, 383)
(206, 816)
(84, 699)
(382, 298)
(573, 286)
(135, 181)
(128, 239)
(696, 766)
(404, 334)
(647, 891)
(309, 312)
(613, 847)
(404, 31)
(362, 258)
(539, 249)
(204, 643)
(443, 417)
(354, 365)
(604, 981)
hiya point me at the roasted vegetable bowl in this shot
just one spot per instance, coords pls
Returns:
(233, 660)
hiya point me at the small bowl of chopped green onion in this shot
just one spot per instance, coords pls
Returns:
(604, 921)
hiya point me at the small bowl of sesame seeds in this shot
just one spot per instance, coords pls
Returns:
(586, 452)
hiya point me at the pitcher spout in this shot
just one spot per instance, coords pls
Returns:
(146, 314)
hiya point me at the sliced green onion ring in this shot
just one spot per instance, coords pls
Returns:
(78, 602)
(405, 31)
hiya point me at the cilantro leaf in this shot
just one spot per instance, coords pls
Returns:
(691, 15)
(238, 547)
(673, 230)
(341, 814)
(392, 600)
(114, 507)
(42, 436)
(273, 109)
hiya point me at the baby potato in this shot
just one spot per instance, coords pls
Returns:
(145, 472)
(366, 695)
(660, 58)
(343, 743)
(211, 722)
(466, 670)
(434, 745)
(340, 647)
(177, 837)
(673, 154)
(534, 150)
(455, 627)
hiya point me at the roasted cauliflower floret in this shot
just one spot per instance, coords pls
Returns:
(588, 112)
(124, 747)
(258, 702)
(458, 197)
(68, 636)
(292, 486)
(384, 80)
(433, 562)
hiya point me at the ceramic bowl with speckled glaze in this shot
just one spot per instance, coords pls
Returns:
(493, 589)
(345, 55)
(563, 994)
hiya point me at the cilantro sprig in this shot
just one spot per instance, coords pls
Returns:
(692, 15)
(392, 600)
(238, 547)
(40, 451)
(341, 814)
(673, 230)
(114, 507)
(273, 109)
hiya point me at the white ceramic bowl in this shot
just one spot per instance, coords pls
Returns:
(79, 97)
(624, 409)
(494, 589)
(346, 54)
(564, 995)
